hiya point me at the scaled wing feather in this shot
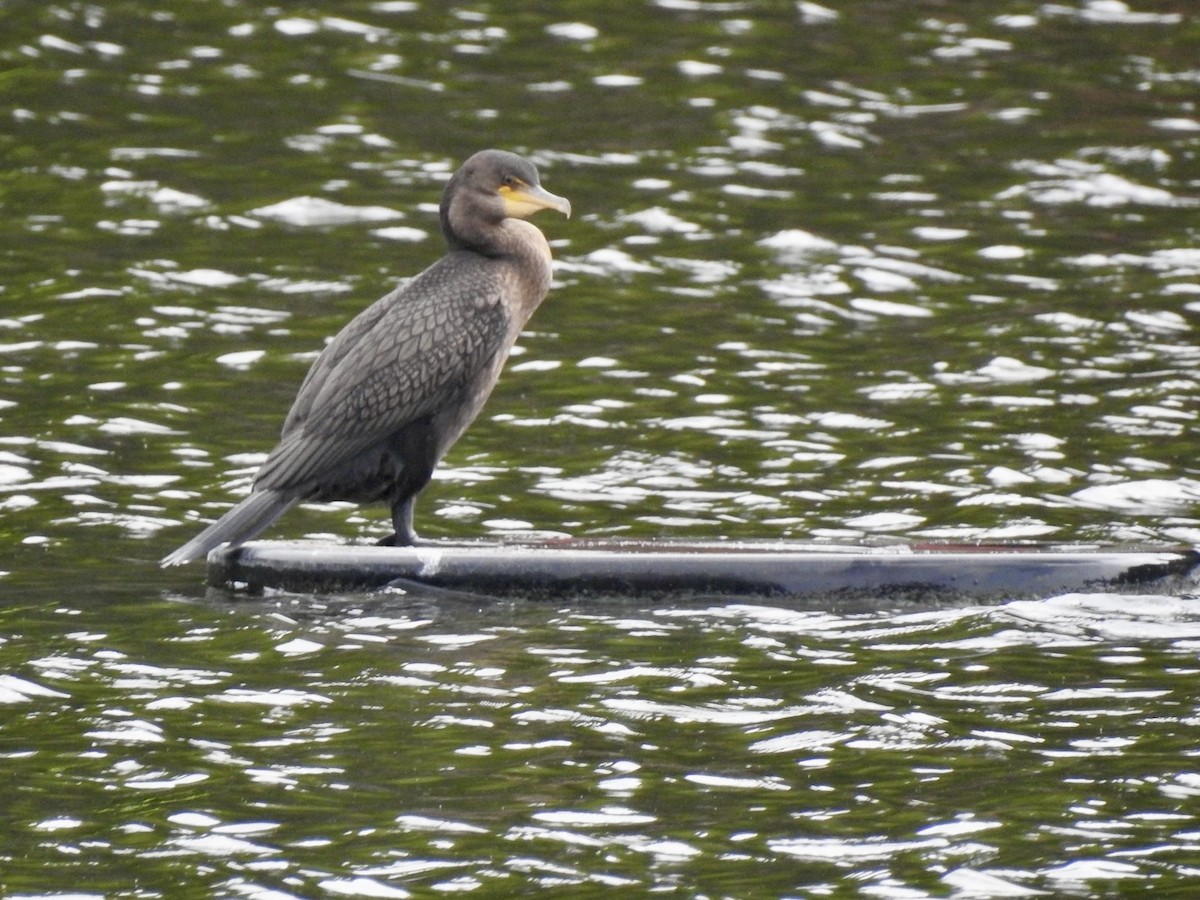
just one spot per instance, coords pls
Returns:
(365, 394)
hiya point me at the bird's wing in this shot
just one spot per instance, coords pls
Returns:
(344, 342)
(404, 362)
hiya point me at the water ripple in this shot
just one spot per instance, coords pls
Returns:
(835, 272)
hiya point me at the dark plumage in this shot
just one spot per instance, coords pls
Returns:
(402, 381)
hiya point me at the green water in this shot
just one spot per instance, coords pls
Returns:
(872, 270)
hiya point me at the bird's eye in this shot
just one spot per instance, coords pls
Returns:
(511, 181)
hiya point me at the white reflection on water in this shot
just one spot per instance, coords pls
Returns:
(20, 690)
(1148, 495)
(1075, 181)
(849, 853)
(1105, 617)
(318, 212)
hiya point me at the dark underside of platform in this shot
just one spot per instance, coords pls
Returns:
(572, 568)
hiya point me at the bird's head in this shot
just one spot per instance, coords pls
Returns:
(490, 186)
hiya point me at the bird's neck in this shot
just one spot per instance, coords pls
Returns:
(526, 246)
(508, 238)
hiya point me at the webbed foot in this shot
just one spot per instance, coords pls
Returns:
(398, 540)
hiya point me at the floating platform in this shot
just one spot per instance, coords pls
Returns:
(570, 568)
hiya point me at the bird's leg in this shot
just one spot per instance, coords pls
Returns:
(402, 521)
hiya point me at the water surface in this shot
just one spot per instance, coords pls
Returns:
(886, 271)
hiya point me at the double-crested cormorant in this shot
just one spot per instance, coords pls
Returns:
(401, 382)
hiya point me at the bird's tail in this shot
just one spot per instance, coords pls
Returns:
(240, 524)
